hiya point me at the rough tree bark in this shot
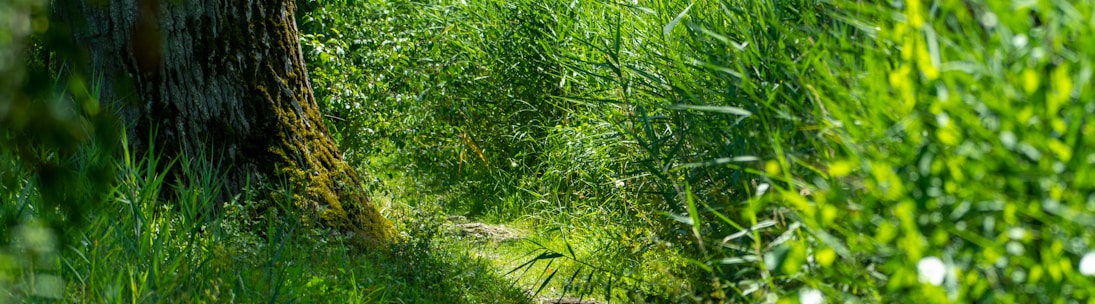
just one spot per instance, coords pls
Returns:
(224, 79)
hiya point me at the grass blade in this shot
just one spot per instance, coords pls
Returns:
(673, 23)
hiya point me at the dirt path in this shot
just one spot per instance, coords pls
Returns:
(496, 235)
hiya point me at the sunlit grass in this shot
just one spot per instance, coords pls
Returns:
(140, 248)
(789, 147)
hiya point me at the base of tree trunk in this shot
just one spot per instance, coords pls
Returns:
(223, 79)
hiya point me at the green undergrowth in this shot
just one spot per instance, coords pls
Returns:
(588, 122)
(660, 151)
(460, 108)
(733, 150)
(141, 246)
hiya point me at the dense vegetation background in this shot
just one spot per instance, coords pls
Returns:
(648, 151)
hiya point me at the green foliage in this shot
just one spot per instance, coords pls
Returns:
(469, 102)
(464, 107)
(794, 146)
(138, 248)
(959, 135)
(658, 151)
(47, 119)
(710, 94)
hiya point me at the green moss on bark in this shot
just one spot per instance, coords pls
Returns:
(232, 85)
(297, 140)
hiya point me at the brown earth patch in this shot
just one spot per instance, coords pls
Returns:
(496, 233)
(543, 300)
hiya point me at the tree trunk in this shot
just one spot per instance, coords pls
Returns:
(224, 80)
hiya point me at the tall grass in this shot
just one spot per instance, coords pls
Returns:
(577, 115)
(73, 233)
(658, 151)
(794, 147)
(956, 133)
(143, 246)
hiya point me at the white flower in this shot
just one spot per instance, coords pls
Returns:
(1087, 264)
(811, 296)
(932, 270)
